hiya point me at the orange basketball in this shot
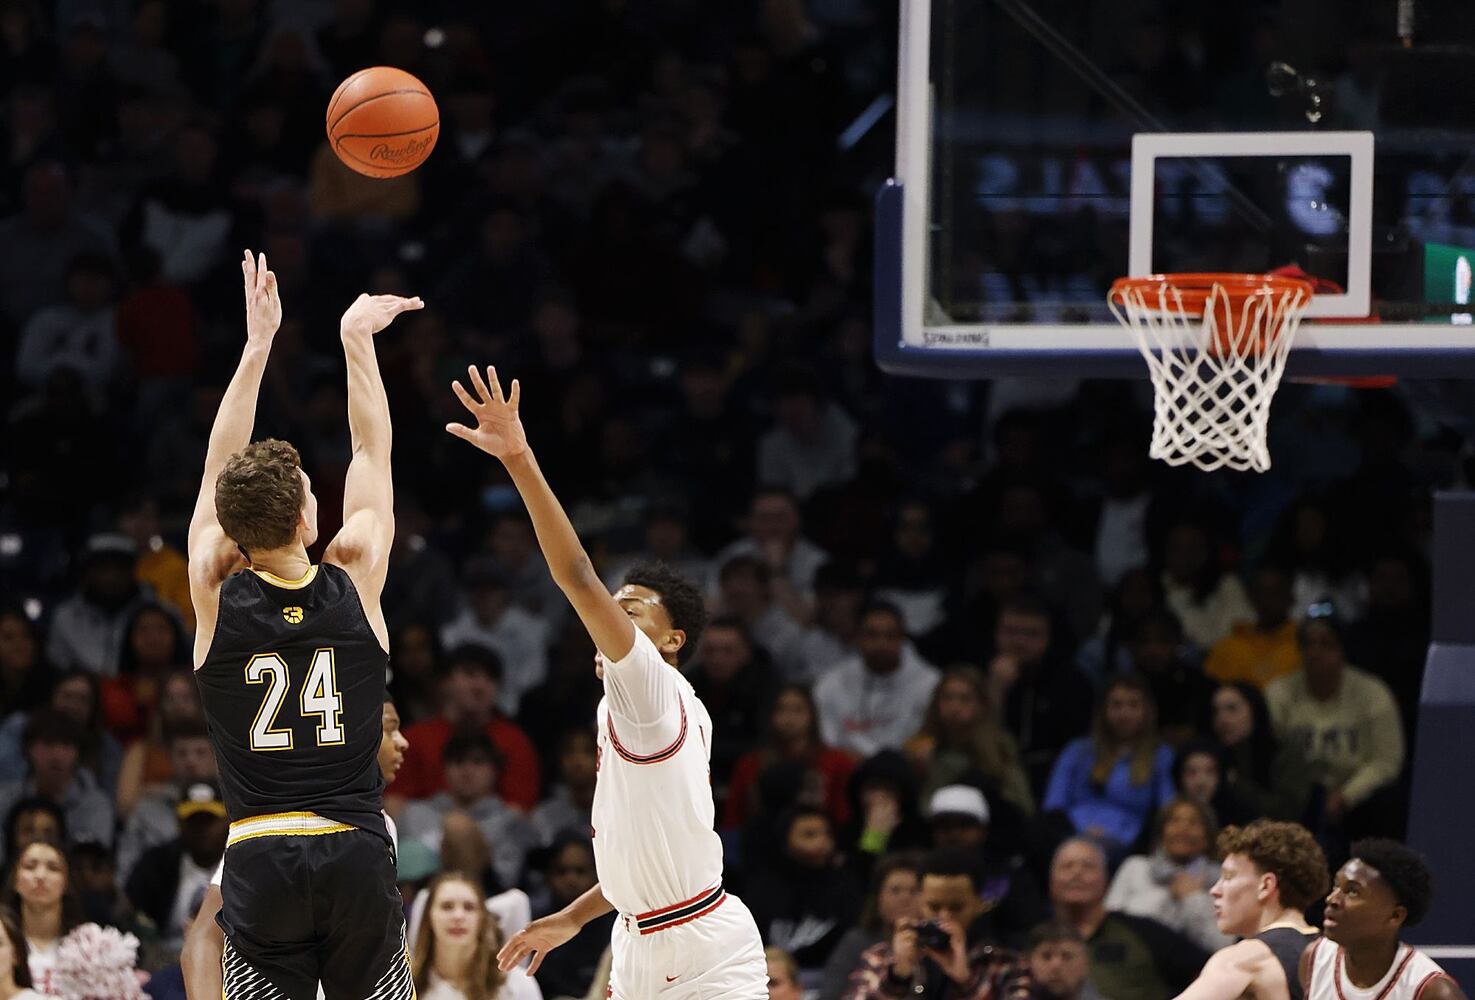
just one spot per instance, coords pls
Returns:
(382, 122)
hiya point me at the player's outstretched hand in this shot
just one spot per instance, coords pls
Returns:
(372, 313)
(536, 939)
(498, 430)
(263, 304)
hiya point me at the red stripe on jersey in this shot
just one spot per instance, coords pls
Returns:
(1337, 971)
(649, 758)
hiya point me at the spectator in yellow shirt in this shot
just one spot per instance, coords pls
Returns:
(1266, 648)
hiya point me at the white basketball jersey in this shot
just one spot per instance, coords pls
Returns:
(654, 843)
(1406, 978)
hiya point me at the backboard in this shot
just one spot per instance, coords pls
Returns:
(1046, 148)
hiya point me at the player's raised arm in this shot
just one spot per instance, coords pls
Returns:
(499, 433)
(362, 545)
(211, 554)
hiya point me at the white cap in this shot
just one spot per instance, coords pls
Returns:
(959, 800)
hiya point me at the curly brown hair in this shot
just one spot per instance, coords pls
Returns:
(259, 495)
(1285, 850)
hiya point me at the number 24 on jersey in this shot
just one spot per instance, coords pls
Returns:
(319, 696)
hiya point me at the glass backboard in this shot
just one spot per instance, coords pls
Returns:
(1046, 148)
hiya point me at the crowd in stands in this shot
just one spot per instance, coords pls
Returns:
(970, 654)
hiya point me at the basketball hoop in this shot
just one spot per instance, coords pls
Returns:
(1216, 346)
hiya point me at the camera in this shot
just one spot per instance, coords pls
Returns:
(930, 934)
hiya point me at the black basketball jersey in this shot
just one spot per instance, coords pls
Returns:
(293, 689)
(1287, 944)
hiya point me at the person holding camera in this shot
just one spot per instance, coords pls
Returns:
(946, 954)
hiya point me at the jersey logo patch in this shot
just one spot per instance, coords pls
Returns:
(293, 615)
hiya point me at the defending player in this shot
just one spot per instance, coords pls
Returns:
(1384, 888)
(1271, 873)
(290, 659)
(659, 862)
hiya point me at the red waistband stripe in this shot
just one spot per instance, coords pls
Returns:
(679, 913)
(649, 758)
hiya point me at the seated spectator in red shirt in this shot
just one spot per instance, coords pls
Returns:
(468, 699)
(791, 734)
(153, 647)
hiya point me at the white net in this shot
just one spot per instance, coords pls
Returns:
(1215, 355)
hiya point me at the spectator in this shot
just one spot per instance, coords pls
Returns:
(53, 750)
(895, 884)
(25, 679)
(78, 334)
(570, 805)
(736, 686)
(146, 764)
(812, 442)
(492, 621)
(15, 961)
(1207, 600)
(969, 966)
(1345, 722)
(87, 630)
(1179, 688)
(745, 591)
(1135, 595)
(568, 872)
(75, 694)
(1058, 963)
(783, 975)
(804, 900)
(168, 878)
(472, 765)
(1262, 650)
(38, 242)
(832, 633)
(884, 814)
(515, 555)
(960, 735)
(155, 820)
(1262, 774)
(959, 818)
(33, 819)
(161, 567)
(1311, 539)
(1042, 700)
(914, 574)
(154, 646)
(1129, 956)
(414, 669)
(1198, 775)
(421, 587)
(774, 537)
(455, 951)
(1171, 885)
(1109, 783)
(39, 892)
(791, 734)
(876, 699)
(665, 537)
(469, 700)
(159, 332)
(1061, 574)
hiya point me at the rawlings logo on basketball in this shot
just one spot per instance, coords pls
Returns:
(411, 150)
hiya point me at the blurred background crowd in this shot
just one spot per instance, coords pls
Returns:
(945, 615)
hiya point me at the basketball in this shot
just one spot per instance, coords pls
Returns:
(382, 122)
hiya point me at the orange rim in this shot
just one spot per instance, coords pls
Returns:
(1193, 289)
